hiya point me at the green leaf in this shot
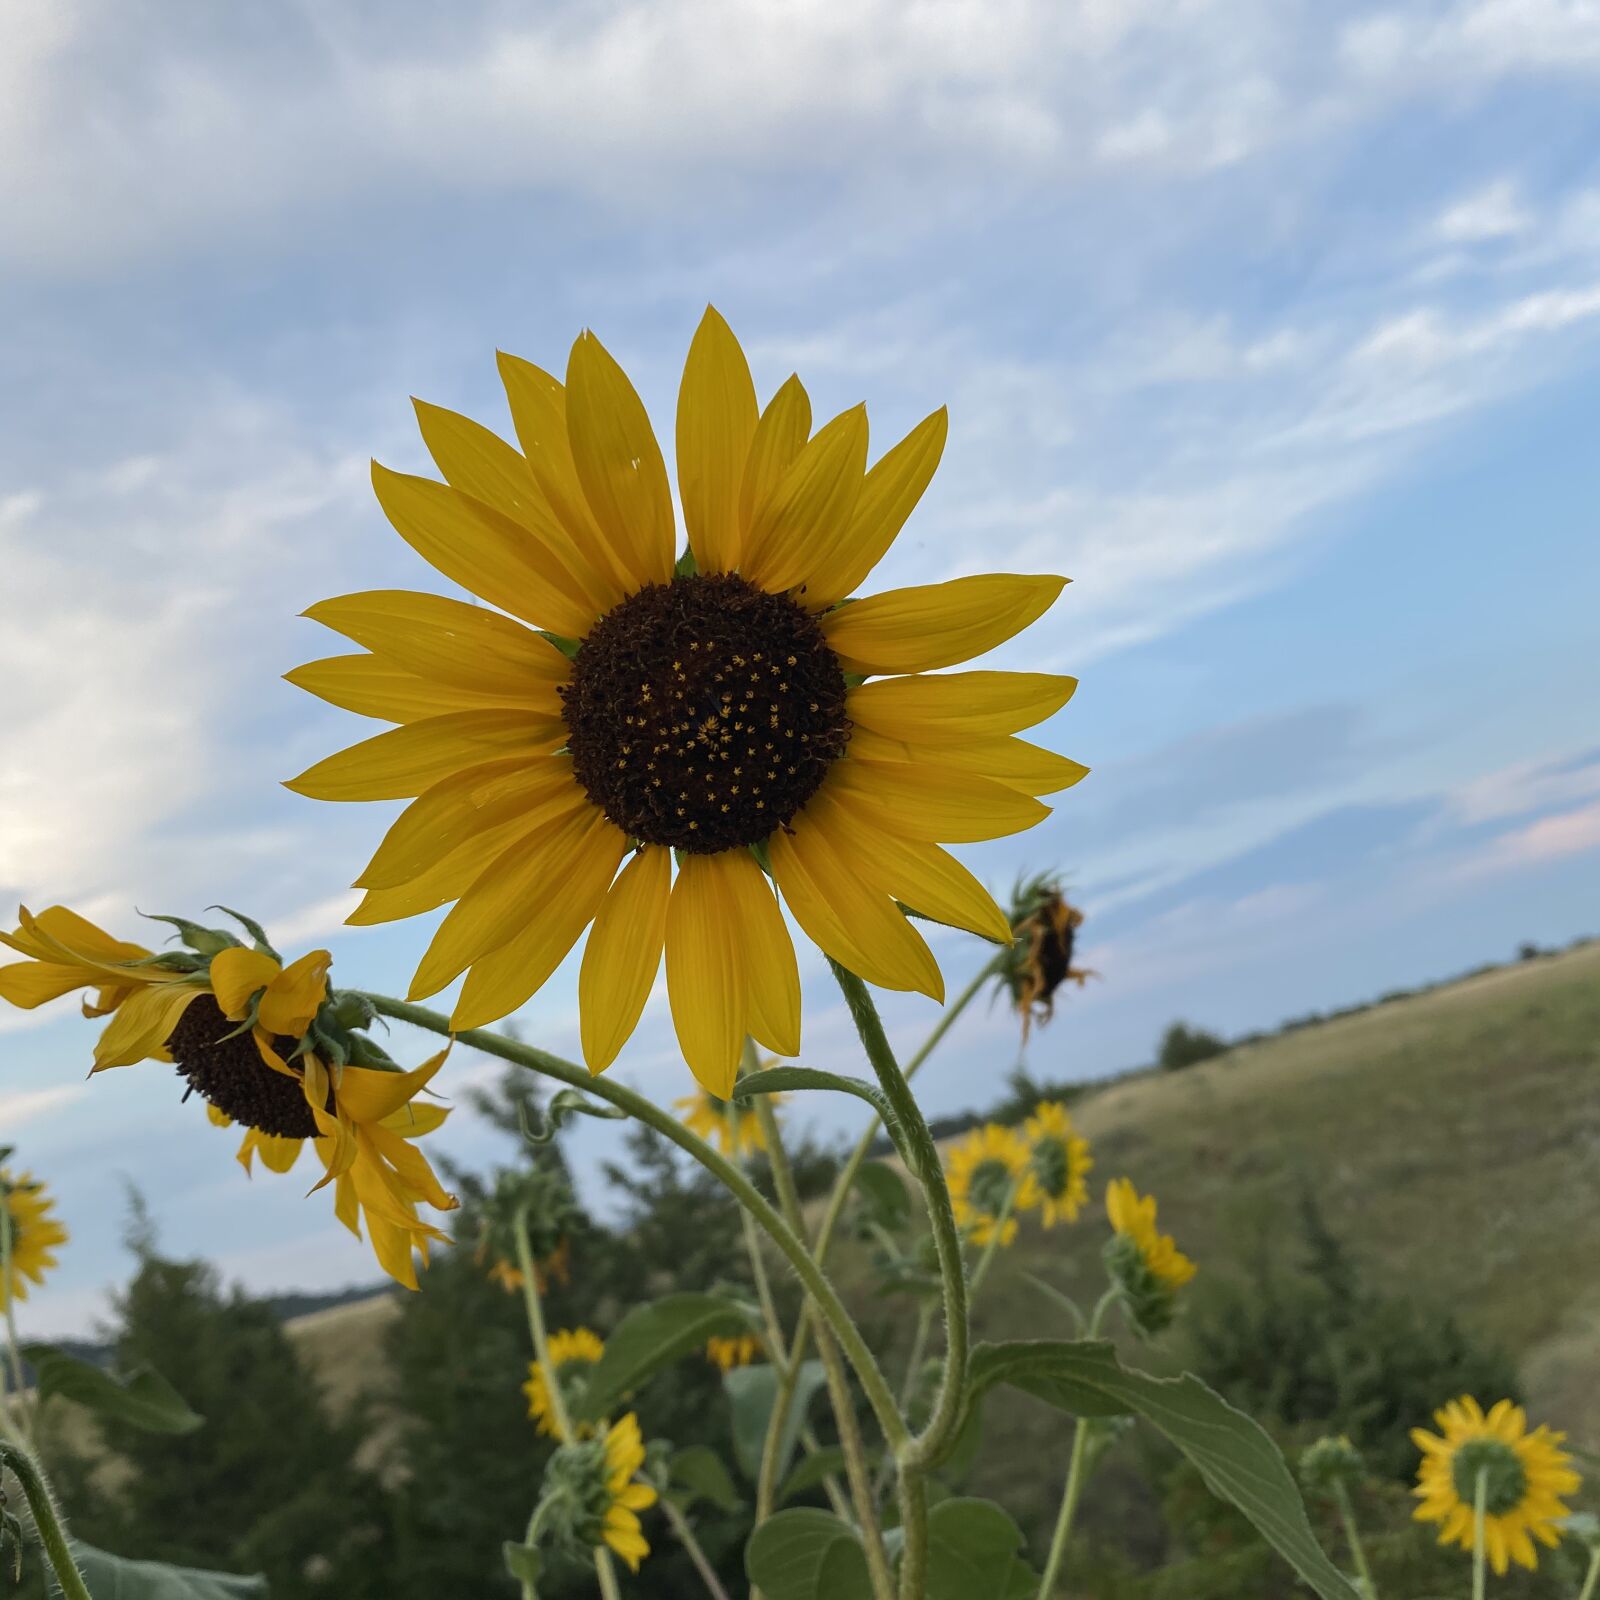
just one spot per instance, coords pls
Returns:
(843, 1574)
(972, 1550)
(112, 1577)
(144, 1399)
(885, 1193)
(564, 1104)
(701, 1472)
(522, 1562)
(1239, 1463)
(651, 1337)
(785, 1555)
(752, 1392)
(811, 1469)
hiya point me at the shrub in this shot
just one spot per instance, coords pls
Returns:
(1183, 1046)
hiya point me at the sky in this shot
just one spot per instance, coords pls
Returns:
(1271, 324)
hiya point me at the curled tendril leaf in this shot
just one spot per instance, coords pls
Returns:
(564, 1104)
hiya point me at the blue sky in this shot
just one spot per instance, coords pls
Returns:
(1273, 325)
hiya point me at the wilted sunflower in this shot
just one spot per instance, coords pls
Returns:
(734, 1129)
(1040, 960)
(33, 1231)
(739, 1351)
(1523, 1473)
(268, 1046)
(712, 708)
(572, 1350)
(986, 1171)
(1059, 1164)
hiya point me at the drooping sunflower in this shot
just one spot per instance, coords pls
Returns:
(572, 1351)
(986, 1171)
(1059, 1164)
(267, 1046)
(734, 1129)
(622, 708)
(1133, 1216)
(34, 1233)
(624, 1455)
(739, 1351)
(1040, 960)
(1523, 1473)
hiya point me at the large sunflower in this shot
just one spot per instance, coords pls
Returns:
(268, 1046)
(622, 707)
(1523, 1475)
(33, 1232)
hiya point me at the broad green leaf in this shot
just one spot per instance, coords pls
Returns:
(810, 1470)
(701, 1473)
(972, 1550)
(1239, 1463)
(112, 1577)
(144, 1399)
(522, 1562)
(785, 1555)
(751, 1393)
(885, 1193)
(651, 1337)
(843, 1574)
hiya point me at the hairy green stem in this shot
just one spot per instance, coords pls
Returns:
(708, 1573)
(46, 1520)
(914, 1528)
(22, 1427)
(1591, 1584)
(1480, 1500)
(991, 1249)
(1352, 1534)
(823, 1294)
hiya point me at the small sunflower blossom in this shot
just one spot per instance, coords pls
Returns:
(268, 1046)
(33, 1232)
(987, 1171)
(1146, 1266)
(573, 1351)
(739, 1351)
(1524, 1474)
(592, 1496)
(1059, 1163)
(1039, 961)
(661, 749)
(733, 1128)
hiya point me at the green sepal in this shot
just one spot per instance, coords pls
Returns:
(253, 928)
(206, 941)
(568, 647)
(685, 566)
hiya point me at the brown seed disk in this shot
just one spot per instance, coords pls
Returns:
(232, 1076)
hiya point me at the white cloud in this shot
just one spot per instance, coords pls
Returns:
(1491, 213)
(1528, 786)
(34, 1105)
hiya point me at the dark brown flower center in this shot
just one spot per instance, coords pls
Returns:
(703, 713)
(230, 1073)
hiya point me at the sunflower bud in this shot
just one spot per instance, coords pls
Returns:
(1331, 1463)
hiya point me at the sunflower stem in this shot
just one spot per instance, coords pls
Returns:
(46, 1520)
(991, 1249)
(23, 1425)
(1591, 1584)
(1352, 1534)
(685, 1534)
(1480, 1500)
(823, 1294)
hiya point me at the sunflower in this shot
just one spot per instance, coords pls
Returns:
(267, 1046)
(624, 1455)
(32, 1231)
(571, 1351)
(734, 1129)
(1523, 1474)
(986, 1172)
(1133, 1217)
(697, 722)
(726, 1354)
(1058, 1165)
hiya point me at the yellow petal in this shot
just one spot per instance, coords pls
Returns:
(278, 1153)
(481, 550)
(622, 956)
(851, 920)
(141, 1026)
(889, 495)
(374, 688)
(716, 422)
(619, 463)
(27, 984)
(1011, 761)
(932, 802)
(65, 933)
(369, 1094)
(534, 887)
(446, 880)
(790, 534)
(411, 1167)
(466, 804)
(448, 641)
(404, 761)
(706, 971)
(416, 1118)
(236, 974)
(293, 996)
(952, 706)
(781, 433)
(913, 871)
(580, 875)
(773, 979)
(936, 624)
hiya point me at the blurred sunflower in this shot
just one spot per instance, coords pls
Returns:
(267, 1046)
(986, 1172)
(1059, 1164)
(33, 1232)
(739, 1351)
(1523, 1475)
(1040, 960)
(625, 1499)
(1146, 1266)
(712, 709)
(734, 1129)
(572, 1350)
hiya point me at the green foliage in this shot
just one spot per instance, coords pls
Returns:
(144, 1399)
(121, 1579)
(1308, 1342)
(787, 1557)
(1183, 1046)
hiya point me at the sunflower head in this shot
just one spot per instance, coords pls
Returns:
(573, 1352)
(658, 747)
(739, 1351)
(29, 1231)
(733, 1127)
(1521, 1476)
(986, 1171)
(1331, 1463)
(1145, 1265)
(592, 1497)
(539, 1198)
(1039, 961)
(1059, 1164)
